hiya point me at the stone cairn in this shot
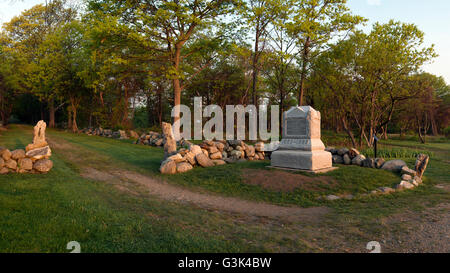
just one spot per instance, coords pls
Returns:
(120, 134)
(34, 159)
(410, 178)
(207, 154)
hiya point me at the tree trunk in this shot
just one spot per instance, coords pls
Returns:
(176, 83)
(74, 123)
(349, 131)
(69, 120)
(434, 128)
(305, 56)
(51, 112)
(255, 69)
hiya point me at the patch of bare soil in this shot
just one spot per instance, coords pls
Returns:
(276, 180)
(425, 232)
(229, 204)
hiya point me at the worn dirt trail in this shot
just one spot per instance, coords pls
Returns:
(156, 187)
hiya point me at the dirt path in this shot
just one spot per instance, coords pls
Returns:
(122, 178)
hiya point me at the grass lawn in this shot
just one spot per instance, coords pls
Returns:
(41, 213)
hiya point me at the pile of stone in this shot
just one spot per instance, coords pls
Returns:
(157, 140)
(152, 139)
(34, 159)
(349, 157)
(120, 134)
(410, 178)
(207, 154)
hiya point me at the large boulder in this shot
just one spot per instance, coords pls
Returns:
(25, 164)
(212, 149)
(259, 147)
(39, 136)
(379, 162)
(369, 163)
(168, 167)
(404, 185)
(394, 165)
(408, 171)
(43, 165)
(183, 167)
(123, 134)
(249, 151)
(177, 158)
(39, 153)
(353, 153)
(17, 154)
(190, 158)
(203, 160)
(133, 135)
(337, 159)
(358, 160)
(220, 146)
(343, 151)
(421, 164)
(217, 155)
(347, 160)
(11, 164)
(6, 154)
(218, 162)
(170, 145)
(2, 162)
(195, 150)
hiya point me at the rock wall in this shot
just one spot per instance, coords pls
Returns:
(409, 178)
(120, 134)
(34, 159)
(212, 153)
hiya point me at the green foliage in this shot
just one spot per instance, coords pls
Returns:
(447, 132)
(140, 118)
(395, 153)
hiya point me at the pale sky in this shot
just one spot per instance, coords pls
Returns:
(432, 17)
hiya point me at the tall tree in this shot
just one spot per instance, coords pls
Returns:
(314, 24)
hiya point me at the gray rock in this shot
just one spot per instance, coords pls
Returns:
(394, 165)
(369, 163)
(216, 155)
(418, 179)
(183, 167)
(231, 160)
(406, 177)
(168, 167)
(358, 160)
(11, 164)
(43, 165)
(39, 153)
(25, 164)
(386, 190)
(203, 160)
(343, 151)
(405, 185)
(337, 159)
(408, 171)
(332, 197)
(421, 164)
(379, 163)
(353, 153)
(218, 162)
(347, 160)
(6, 154)
(195, 150)
(18, 154)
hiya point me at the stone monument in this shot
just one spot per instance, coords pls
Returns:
(301, 147)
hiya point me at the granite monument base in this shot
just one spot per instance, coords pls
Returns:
(302, 160)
